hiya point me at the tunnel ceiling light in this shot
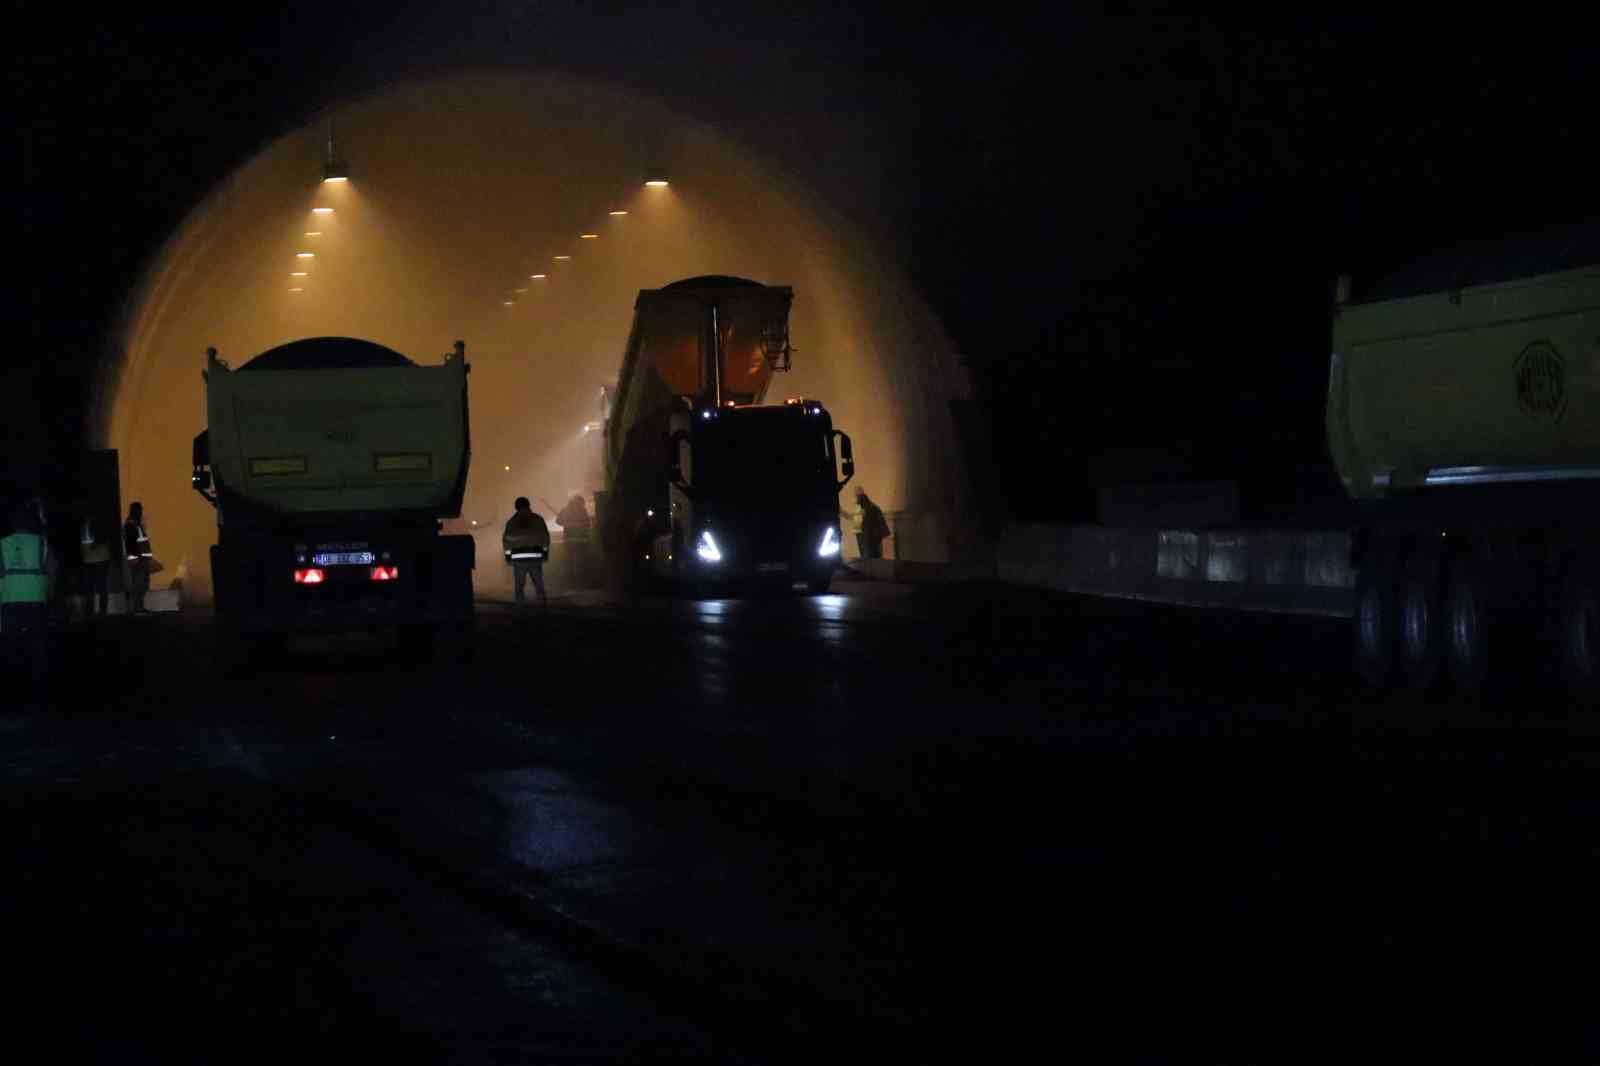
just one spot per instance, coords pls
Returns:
(536, 277)
(563, 257)
(508, 470)
(614, 214)
(322, 210)
(335, 177)
(656, 179)
(305, 255)
(589, 236)
(313, 233)
(519, 290)
(298, 274)
(297, 289)
(508, 303)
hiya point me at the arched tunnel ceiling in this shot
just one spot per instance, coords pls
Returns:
(463, 187)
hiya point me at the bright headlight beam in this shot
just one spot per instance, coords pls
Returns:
(829, 545)
(707, 548)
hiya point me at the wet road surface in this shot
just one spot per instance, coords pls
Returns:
(924, 824)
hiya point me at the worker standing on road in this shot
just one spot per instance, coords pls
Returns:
(526, 542)
(96, 551)
(574, 519)
(136, 547)
(25, 597)
(869, 526)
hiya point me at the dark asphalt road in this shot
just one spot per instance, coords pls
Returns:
(915, 824)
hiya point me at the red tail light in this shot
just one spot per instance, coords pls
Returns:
(309, 577)
(386, 573)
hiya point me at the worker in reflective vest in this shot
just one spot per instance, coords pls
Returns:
(96, 566)
(574, 519)
(136, 546)
(526, 543)
(24, 598)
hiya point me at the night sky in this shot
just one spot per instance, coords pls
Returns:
(1128, 224)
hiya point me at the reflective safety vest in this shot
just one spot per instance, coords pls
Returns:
(139, 546)
(526, 538)
(93, 551)
(24, 573)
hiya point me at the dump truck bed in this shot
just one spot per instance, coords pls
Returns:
(338, 440)
(667, 349)
(1489, 383)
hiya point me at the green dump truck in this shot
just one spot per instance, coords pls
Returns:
(330, 462)
(1463, 416)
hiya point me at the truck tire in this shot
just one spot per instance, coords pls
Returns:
(455, 643)
(415, 641)
(1421, 617)
(1466, 626)
(1376, 621)
(243, 653)
(232, 658)
(1580, 636)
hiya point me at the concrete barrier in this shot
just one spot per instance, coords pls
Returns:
(1291, 571)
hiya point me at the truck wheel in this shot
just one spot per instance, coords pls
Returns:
(1421, 623)
(455, 642)
(242, 654)
(1376, 621)
(233, 652)
(415, 641)
(1580, 636)
(1467, 626)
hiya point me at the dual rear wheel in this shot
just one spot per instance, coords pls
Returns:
(1419, 621)
(1428, 618)
(1580, 634)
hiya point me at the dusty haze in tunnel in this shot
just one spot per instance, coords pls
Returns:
(463, 188)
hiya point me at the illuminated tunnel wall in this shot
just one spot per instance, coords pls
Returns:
(461, 189)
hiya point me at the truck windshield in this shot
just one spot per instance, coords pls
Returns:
(763, 455)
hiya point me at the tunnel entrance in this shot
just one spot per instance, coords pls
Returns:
(514, 212)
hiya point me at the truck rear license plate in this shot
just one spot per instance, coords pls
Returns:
(343, 559)
(771, 568)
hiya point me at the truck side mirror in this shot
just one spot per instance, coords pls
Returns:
(201, 479)
(674, 467)
(847, 459)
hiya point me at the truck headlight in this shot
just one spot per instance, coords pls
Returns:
(829, 545)
(707, 548)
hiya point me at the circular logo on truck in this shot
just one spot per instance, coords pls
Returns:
(1541, 382)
